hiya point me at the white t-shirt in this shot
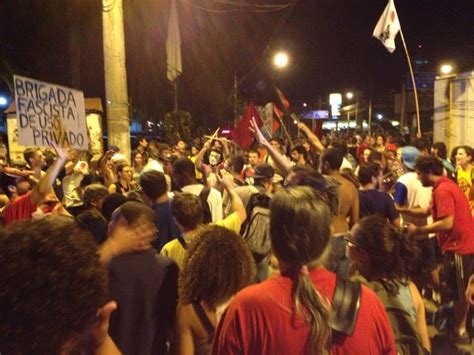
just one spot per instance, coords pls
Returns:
(214, 199)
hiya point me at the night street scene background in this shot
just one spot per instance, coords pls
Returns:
(329, 43)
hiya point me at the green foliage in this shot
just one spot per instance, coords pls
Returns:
(177, 125)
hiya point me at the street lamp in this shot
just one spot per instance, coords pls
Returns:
(280, 60)
(349, 95)
(3, 101)
(446, 69)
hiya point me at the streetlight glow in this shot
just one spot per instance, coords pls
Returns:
(3, 101)
(446, 69)
(280, 60)
(379, 116)
(305, 104)
(350, 95)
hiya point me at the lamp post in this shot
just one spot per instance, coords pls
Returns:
(446, 69)
(281, 60)
(118, 116)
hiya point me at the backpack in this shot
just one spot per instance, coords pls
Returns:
(407, 338)
(205, 205)
(256, 229)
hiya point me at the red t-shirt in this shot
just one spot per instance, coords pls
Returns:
(260, 321)
(21, 208)
(449, 200)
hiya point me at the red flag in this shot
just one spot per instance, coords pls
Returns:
(284, 101)
(242, 134)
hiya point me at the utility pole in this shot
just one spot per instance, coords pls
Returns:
(116, 95)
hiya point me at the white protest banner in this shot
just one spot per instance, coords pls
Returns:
(49, 113)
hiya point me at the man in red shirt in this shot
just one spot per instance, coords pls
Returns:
(455, 232)
(41, 199)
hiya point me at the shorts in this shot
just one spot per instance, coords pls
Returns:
(455, 276)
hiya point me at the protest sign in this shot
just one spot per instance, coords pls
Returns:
(49, 113)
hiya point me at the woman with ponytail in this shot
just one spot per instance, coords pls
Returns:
(385, 257)
(289, 313)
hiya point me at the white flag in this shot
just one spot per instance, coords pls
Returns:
(388, 27)
(173, 45)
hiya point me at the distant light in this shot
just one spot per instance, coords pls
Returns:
(225, 131)
(281, 60)
(295, 121)
(379, 116)
(305, 104)
(446, 69)
(335, 99)
(349, 95)
(419, 46)
(3, 101)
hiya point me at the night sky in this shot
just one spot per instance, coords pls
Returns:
(329, 42)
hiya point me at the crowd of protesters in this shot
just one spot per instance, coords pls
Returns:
(204, 247)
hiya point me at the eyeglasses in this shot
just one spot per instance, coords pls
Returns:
(350, 242)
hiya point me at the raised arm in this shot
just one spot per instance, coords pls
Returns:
(282, 165)
(45, 183)
(237, 205)
(200, 155)
(311, 136)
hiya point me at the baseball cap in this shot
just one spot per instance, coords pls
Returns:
(263, 171)
(409, 156)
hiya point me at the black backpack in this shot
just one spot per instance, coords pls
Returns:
(205, 205)
(256, 229)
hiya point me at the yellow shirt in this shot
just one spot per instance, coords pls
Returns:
(464, 179)
(175, 250)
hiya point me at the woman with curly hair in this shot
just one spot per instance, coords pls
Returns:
(218, 264)
(385, 258)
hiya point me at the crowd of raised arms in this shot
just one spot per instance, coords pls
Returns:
(328, 245)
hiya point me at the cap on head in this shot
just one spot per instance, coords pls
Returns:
(263, 171)
(409, 156)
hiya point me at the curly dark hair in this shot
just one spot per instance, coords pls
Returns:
(52, 285)
(392, 254)
(217, 265)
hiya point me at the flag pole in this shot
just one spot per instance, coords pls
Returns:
(415, 92)
(175, 85)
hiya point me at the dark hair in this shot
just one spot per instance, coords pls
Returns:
(300, 227)
(122, 166)
(93, 193)
(307, 176)
(111, 203)
(232, 269)
(429, 164)
(333, 157)
(135, 212)
(392, 254)
(254, 151)
(367, 172)
(421, 144)
(300, 150)
(467, 149)
(338, 144)
(184, 166)
(442, 150)
(153, 184)
(28, 153)
(52, 285)
(236, 163)
(187, 209)
(143, 154)
(375, 156)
